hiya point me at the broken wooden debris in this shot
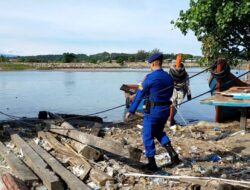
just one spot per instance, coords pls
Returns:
(86, 151)
(99, 177)
(96, 174)
(36, 163)
(71, 180)
(61, 149)
(18, 168)
(104, 144)
(12, 183)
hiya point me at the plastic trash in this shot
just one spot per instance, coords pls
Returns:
(216, 129)
(214, 158)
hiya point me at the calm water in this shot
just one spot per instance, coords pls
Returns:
(26, 93)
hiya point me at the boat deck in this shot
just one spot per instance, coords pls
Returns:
(234, 97)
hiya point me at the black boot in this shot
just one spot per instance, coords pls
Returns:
(173, 155)
(151, 165)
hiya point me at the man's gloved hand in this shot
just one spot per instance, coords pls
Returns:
(189, 97)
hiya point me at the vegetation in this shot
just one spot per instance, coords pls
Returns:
(120, 58)
(223, 27)
(3, 59)
(68, 57)
(14, 67)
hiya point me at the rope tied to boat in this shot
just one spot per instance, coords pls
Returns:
(220, 75)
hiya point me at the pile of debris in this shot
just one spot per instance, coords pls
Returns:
(72, 152)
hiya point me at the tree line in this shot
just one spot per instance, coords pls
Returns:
(120, 58)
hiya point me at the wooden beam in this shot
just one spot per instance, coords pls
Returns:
(18, 168)
(36, 163)
(71, 180)
(74, 159)
(107, 145)
(86, 151)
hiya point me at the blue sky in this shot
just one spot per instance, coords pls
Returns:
(32, 27)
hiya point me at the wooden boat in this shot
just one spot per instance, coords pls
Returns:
(129, 92)
(219, 82)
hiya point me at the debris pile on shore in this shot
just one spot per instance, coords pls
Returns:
(90, 154)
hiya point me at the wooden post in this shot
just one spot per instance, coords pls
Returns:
(243, 119)
(220, 64)
(171, 115)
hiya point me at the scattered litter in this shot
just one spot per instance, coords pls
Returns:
(78, 170)
(10, 145)
(216, 129)
(139, 126)
(163, 158)
(93, 186)
(214, 158)
(37, 140)
(157, 181)
(41, 187)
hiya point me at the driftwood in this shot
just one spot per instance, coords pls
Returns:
(36, 163)
(203, 181)
(104, 144)
(18, 168)
(71, 180)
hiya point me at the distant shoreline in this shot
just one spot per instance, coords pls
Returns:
(15, 66)
(88, 67)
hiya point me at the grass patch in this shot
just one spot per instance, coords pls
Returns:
(14, 67)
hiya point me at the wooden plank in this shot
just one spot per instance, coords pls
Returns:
(107, 145)
(64, 150)
(98, 176)
(18, 168)
(36, 163)
(86, 151)
(218, 100)
(71, 180)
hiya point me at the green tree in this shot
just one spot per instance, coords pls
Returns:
(68, 57)
(141, 55)
(223, 27)
(3, 59)
(154, 51)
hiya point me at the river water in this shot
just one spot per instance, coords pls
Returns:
(26, 93)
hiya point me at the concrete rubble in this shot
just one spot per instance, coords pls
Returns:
(207, 150)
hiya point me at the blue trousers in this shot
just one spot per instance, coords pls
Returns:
(153, 128)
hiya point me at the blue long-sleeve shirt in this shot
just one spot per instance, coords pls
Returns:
(157, 87)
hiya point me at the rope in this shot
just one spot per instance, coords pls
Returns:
(122, 105)
(209, 91)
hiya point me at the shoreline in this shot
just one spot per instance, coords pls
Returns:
(88, 67)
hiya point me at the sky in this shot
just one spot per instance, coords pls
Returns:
(37, 27)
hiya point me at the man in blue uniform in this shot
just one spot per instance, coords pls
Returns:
(156, 90)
